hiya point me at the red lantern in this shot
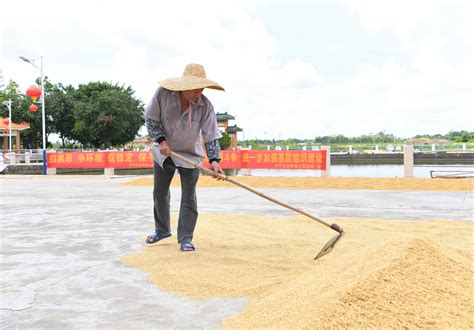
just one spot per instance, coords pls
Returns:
(33, 108)
(34, 92)
(6, 121)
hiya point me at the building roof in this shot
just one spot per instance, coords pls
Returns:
(233, 129)
(224, 116)
(15, 126)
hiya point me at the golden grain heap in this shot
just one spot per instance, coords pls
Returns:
(383, 273)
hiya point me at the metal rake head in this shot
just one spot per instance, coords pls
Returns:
(329, 245)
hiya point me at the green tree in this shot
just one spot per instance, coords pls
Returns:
(32, 137)
(466, 137)
(254, 144)
(106, 114)
(225, 141)
(60, 109)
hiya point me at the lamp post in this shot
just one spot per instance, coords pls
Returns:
(9, 106)
(43, 114)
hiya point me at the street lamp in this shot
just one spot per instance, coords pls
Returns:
(9, 106)
(43, 115)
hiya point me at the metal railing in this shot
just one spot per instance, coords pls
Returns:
(22, 157)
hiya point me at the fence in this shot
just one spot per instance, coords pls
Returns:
(245, 160)
(25, 157)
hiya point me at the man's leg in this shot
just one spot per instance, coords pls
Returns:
(188, 212)
(161, 195)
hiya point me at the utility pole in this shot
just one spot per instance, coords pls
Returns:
(9, 106)
(43, 110)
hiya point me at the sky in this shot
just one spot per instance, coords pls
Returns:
(291, 69)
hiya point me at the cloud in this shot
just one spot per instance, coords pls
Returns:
(423, 85)
(400, 16)
(422, 97)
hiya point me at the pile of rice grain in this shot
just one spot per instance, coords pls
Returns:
(327, 183)
(383, 273)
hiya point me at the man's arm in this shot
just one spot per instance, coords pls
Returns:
(213, 150)
(154, 125)
(157, 134)
(155, 130)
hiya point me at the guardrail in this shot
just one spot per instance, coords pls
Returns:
(12, 158)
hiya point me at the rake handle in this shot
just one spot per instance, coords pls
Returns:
(259, 193)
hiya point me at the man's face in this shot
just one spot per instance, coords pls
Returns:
(192, 95)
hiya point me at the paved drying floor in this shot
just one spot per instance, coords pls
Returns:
(63, 237)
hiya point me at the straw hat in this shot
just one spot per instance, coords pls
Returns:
(194, 77)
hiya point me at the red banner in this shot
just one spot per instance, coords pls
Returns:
(268, 159)
(105, 159)
(130, 159)
(284, 159)
(229, 159)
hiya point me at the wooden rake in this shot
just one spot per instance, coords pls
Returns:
(326, 248)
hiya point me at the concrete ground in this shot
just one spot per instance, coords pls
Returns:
(62, 237)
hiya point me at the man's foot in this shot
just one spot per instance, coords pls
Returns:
(187, 247)
(156, 236)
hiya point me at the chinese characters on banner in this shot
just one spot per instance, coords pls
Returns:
(268, 159)
(273, 159)
(289, 159)
(109, 159)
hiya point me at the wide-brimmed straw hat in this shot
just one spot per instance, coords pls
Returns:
(194, 77)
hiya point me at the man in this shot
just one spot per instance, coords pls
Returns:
(177, 118)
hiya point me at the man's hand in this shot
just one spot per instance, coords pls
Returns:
(217, 169)
(165, 148)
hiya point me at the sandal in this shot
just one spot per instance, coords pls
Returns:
(187, 247)
(156, 236)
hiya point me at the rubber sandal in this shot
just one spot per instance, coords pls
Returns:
(156, 236)
(187, 247)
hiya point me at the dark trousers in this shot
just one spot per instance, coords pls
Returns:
(188, 213)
